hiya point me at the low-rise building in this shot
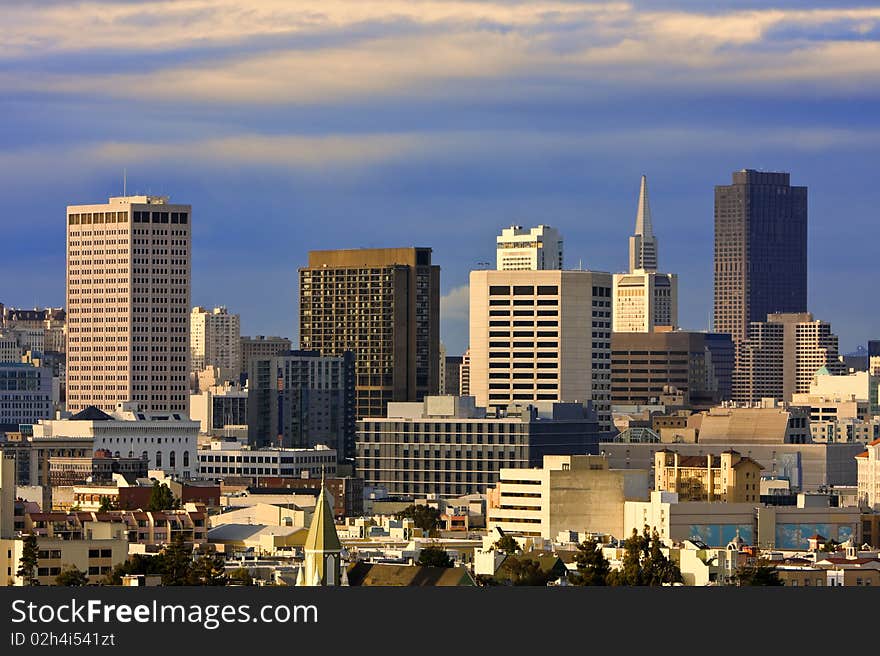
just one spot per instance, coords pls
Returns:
(232, 459)
(726, 477)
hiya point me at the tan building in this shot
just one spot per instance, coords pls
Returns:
(541, 336)
(525, 249)
(725, 477)
(128, 299)
(645, 301)
(260, 348)
(868, 463)
(94, 557)
(781, 356)
(215, 341)
(384, 305)
(569, 493)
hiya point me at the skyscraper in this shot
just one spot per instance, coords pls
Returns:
(760, 250)
(524, 249)
(215, 341)
(643, 244)
(128, 298)
(383, 304)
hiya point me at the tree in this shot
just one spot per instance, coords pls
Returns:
(208, 570)
(630, 572)
(507, 544)
(424, 517)
(136, 564)
(592, 566)
(644, 562)
(523, 571)
(658, 568)
(107, 504)
(161, 498)
(27, 564)
(434, 557)
(240, 576)
(761, 573)
(177, 563)
(831, 546)
(72, 577)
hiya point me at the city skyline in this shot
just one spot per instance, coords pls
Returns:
(549, 124)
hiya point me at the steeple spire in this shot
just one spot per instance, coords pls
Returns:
(643, 244)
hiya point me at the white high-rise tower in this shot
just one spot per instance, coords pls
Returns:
(643, 244)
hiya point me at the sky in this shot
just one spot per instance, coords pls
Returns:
(292, 126)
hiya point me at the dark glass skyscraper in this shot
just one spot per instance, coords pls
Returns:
(760, 250)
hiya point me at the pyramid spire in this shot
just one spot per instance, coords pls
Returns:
(643, 244)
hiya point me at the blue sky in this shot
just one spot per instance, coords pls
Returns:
(345, 124)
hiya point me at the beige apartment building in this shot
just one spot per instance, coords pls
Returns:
(128, 299)
(727, 477)
(541, 336)
(569, 493)
(215, 341)
(260, 348)
(644, 301)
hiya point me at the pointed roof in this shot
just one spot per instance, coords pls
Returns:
(91, 413)
(322, 533)
(643, 217)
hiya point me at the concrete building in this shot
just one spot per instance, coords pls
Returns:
(449, 446)
(300, 399)
(99, 469)
(452, 376)
(10, 348)
(644, 365)
(219, 409)
(643, 251)
(464, 374)
(261, 347)
(728, 477)
(541, 336)
(128, 299)
(868, 464)
(230, 459)
(95, 557)
(781, 356)
(215, 341)
(645, 301)
(382, 304)
(528, 249)
(568, 493)
(762, 526)
(760, 250)
(25, 394)
(859, 386)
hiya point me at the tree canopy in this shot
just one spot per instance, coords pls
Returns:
(644, 562)
(72, 577)
(161, 498)
(760, 573)
(506, 544)
(27, 564)
(592, 566)
(424, 517)
(434, 557)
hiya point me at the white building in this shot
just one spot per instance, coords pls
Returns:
(167, 440)
(869, 475)
(215, 341)
(529, 249)
(220, 408)
(128, 299)
(644, 301)
(233, 459)
(643, 244)
(541, 336)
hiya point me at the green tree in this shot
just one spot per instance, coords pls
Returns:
(161, 498)
(644, 562)
(831, 546)
(136, 564)
(630, 571)
(107, 504)
(761, 573)
(72, 577)
(208, 570)
(506, 544)
(658, 568)
(523, 571)
(592, 566)
(424, 517)
(27, 564)
(434, 557)
(177, 563)
(240, 576)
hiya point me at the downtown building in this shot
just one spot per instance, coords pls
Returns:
(781, 356)
(215, 341)
(541, 335)
(447, 445)
(128, 299)
(258, 347)
(384, 306)
(302, 399)
(25, 394)
(644, 299)
(760, 250)
(528, 249)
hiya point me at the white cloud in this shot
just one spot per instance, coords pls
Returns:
(455, 304)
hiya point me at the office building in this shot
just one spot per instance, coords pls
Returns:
(220, 409)
(760, 250)
(868, 463)
(528, 249)
(643, 251)
(261, 347)
(230, 459)
(43, 329)
(449, 446)
(128, 299)
(215, 341)
(98, 469)
(781, 356)
(645, 301)
(25, 394)
(645, 366)
(382, 304)
(464, 374)
(301, 399)
(567, 493)
(452, 375)
(541, 336)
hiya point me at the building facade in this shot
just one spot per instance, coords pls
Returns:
(219, 408)
(301, 399)
(644, 301)
(528, 249)
(449, 446)
(541, 336)
(215, 341)
(727, 477)
(128, 299)
(383, 305)
(261, 346)
(643, 250)
(760, 250)
(230, 459)
(25, 394)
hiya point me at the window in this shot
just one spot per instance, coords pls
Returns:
(158, 458)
